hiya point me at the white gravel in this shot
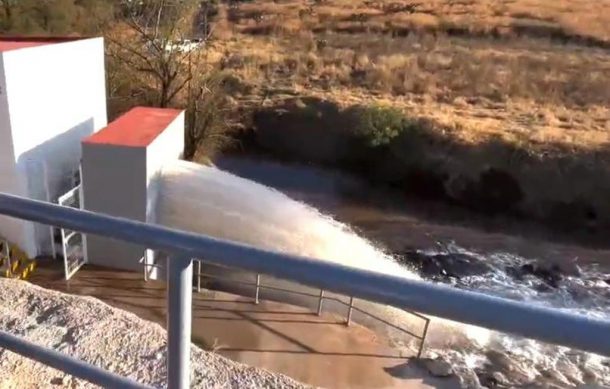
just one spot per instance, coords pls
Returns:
(119, 341)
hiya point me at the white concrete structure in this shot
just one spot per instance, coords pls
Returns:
(52, 94)
(118, 165)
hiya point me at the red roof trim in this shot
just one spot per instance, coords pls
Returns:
(8, 43)
(136, 128)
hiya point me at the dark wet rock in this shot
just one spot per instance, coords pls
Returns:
(544, 288)
(492, 379)
(570, 269)
(438, 367)
(552, 275)
(607, 281)
(445, 265)
(499, 360)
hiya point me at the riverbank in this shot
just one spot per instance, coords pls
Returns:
(400, 223)
(562, 186)
(503, 112)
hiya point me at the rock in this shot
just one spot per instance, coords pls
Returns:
(499, 377)
(557, 376)
(492, 379)
(438, 367)
(569, 371)
(570, 268)
(445, 265)
(551, 275)
(299, 104)
(469, 379)
(500, 360)
(607, 281)
(63, 381)
(589, 375)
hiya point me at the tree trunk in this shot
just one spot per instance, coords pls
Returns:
(8, 11)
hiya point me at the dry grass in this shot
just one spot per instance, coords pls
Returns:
(533, 92)
(574, 19)
(526, 77)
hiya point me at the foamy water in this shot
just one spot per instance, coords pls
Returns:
(208, 200)
(524, 361)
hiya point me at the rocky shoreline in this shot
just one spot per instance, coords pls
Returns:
(112, 339)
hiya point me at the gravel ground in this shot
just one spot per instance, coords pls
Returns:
(115, 340)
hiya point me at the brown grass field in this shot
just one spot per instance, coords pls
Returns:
(533, 75)
(528, 71)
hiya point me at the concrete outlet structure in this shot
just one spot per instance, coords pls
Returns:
(118, 165)
(52, 94)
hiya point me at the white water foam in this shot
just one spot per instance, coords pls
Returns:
(525, 361)
(210, 201)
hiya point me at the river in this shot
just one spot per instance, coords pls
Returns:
(497, 256)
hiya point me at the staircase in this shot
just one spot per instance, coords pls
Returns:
(14, 263)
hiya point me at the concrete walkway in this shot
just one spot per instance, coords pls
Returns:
(319, 350)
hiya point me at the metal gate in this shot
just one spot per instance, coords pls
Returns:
(73, 242)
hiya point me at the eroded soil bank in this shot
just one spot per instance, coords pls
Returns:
(564, 188)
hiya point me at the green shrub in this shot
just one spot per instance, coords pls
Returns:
(379, 125)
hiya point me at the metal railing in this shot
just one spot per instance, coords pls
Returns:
(519, 318)
(259, 285)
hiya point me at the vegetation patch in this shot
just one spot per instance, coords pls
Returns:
(420, 157)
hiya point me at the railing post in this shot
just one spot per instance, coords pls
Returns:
(349, 311)
(258, 288)
(423, 339)
(198, 276)
(179, 300)
(145, 265)
(320, 302)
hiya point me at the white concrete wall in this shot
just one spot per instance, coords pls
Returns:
(11, 229)
(56, 96)
(119, 180)
(168, 146)
(114, 183)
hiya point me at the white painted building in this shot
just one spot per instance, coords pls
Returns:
(52, 94)
(118, 166)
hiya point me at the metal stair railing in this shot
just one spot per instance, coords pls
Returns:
(519, 318)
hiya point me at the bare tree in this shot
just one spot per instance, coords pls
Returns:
(153, 45)
(153, 54)
(7, 6)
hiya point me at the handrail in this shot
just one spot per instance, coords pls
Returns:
(66, 363)
(258, 284)
(520, 318)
